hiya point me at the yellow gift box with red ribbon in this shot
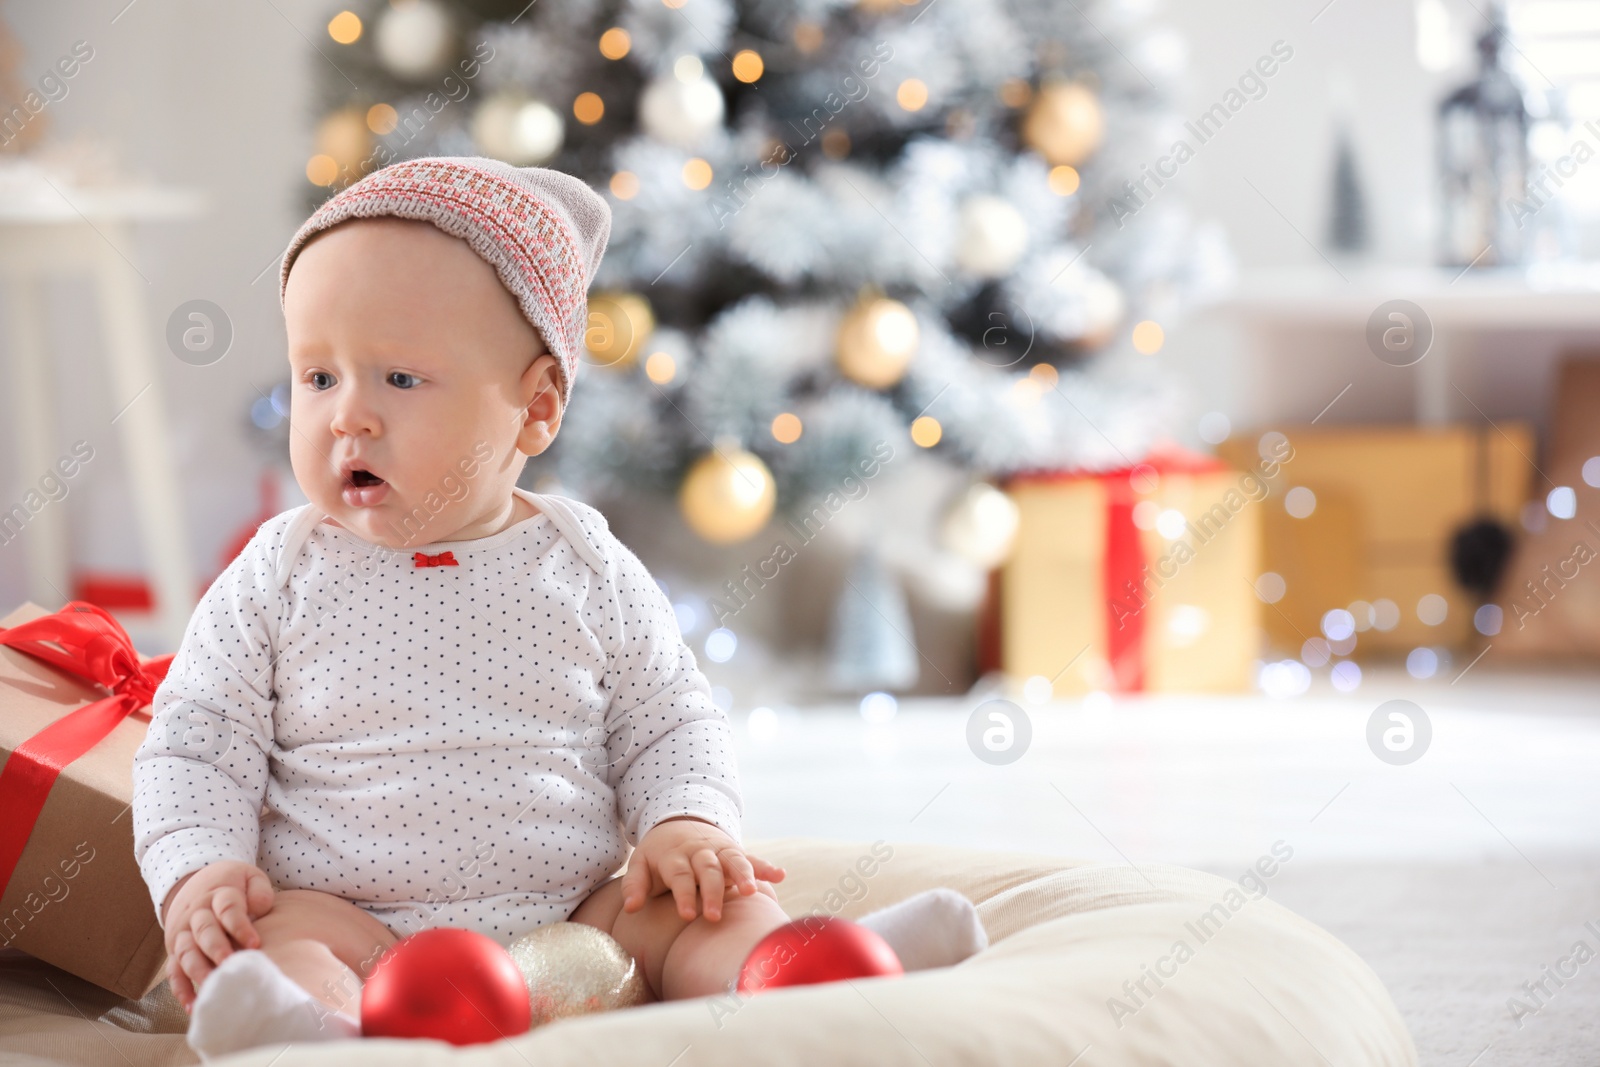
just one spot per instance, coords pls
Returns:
(1133, 579)
(74, 707)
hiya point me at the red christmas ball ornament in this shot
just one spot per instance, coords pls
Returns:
(817, 948)
(449, 984)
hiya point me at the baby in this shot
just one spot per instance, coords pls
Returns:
(430, 697)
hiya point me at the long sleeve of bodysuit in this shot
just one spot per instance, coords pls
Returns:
(669, 746)
(200, 776)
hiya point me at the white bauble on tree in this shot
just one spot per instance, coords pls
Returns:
(993, 236)
(680, 110)
(981, 526)
(1103, 305)
(518, 129)
(416, 39)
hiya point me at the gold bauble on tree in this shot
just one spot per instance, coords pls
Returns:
(619, 325)
(1064, 124)
(575, 969)
(728, 494)
(876, 342)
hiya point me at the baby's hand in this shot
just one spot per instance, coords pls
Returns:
(681, 851)
(208, 914)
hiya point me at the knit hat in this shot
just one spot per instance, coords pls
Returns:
(543, 231)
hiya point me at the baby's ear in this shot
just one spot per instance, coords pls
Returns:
(542, 394)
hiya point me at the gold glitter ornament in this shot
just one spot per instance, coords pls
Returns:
(1064, 124)
(620, 323)
(728, 494)
(876, 341)
(575, 969)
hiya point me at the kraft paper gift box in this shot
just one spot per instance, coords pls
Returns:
(1550, 598)
(1096, 596)
(70, 722)
(1387, 503)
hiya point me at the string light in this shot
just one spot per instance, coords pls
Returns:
(1014, 92)
(1064, 180)
(588, 108)
(747, 65)
(615, 42)
(660, 368)
(345, 27)
(1148, 337)
(1026, 391)
(381, 118)
(321, 170)
(926, 431)
(688, 69)
(624, 185)
(697, 173)
(912, 94)
(786, 428)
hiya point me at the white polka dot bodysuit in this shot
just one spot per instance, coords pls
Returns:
(474, 745)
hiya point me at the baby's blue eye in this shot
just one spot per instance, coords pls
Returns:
(314, 375)
(403, 374)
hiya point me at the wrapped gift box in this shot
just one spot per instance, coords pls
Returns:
(73, 895)
(1386, 502)
(1104, 589)
(1550, 598)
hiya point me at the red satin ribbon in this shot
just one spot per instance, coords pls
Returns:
(95, 648)
(443, 559)
(1124, 562)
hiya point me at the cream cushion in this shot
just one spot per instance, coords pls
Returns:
(1266, 987)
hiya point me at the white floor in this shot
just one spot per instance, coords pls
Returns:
(1458, 877)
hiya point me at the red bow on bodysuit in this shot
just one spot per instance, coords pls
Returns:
(443, 559)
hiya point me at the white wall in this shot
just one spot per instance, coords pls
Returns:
(1283, 142)
(1362, 54)
(212, 96)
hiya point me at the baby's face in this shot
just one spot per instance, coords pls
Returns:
(418, 387)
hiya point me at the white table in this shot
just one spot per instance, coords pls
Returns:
(1459, 304)
(49, 228)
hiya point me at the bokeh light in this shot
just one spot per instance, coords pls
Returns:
(786, 428)
(345, 27)
(748, 65)
(721, 644)
(615, 42)
(926, 431)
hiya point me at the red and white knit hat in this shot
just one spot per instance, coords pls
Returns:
(543, 231)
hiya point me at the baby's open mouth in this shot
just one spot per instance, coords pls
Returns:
(363, 489)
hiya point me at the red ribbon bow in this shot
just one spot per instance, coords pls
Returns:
(95, 648)
(1124, 564)
(443, 559)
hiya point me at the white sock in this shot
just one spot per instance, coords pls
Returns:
(935, 928)
(247, 1001)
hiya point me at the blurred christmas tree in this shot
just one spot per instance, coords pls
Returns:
(836, 225)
